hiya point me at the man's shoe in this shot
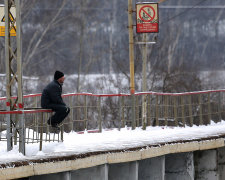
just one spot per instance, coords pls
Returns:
(55, 128)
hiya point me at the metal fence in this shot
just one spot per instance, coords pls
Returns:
(90, 112)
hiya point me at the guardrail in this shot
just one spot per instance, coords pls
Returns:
(90, 112)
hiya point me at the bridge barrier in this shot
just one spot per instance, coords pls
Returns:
(92, 113)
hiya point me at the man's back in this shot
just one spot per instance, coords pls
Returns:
(52, 94)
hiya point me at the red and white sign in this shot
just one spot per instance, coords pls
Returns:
(147, 18)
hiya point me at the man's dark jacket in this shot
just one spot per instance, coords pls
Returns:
(52, 95)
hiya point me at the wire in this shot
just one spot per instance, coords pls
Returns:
(183, 12)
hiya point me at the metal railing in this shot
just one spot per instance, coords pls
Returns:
(90, 112)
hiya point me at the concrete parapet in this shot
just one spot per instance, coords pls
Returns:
(126, 158)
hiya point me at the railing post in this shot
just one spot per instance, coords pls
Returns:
(14, 134)
(71, 112)
(200, 108)
(175, 110)
(148, 110)
(122, 111)
(190, 110)
(182, 110)
(41, 130)
(133, 112)
(62, 130)
(137, 111)
(85, 112)
(209, 109)
(22, 133)
(9, 132)
(99, 114)
(220, 116)
(144, 111)
(157, 111)
(166, 109)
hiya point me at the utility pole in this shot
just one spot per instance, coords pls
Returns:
(13, 59)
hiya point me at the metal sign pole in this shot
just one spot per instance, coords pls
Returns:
(131, 56)
(8, 76)
(13, 56)
(131, 46)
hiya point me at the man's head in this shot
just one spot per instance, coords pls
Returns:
(59, 76)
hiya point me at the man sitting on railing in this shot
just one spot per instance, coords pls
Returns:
(52, 99)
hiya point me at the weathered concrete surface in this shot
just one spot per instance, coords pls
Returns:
(152, 169)
(221, 163)
(206, 165)
(93, 173)
(63, 165)
(123, 171)
(57, 176)
(179, 166)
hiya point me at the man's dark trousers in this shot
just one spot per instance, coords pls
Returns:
(61, 111)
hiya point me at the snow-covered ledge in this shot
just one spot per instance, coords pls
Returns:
(74, 162)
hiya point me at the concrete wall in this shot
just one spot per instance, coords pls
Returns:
(198, 165)
(179, 166)
(195, 160)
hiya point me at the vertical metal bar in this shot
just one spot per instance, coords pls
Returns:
(220, 111)
(85, 112)
(71, 112)
(182, 110)
(209, 109)
(144, 83)
(120, 112)
(144, 111)
(157, 111)
(148, 110)
(19, 52)
(22, 133)
(200, 108)
(133, 112)
(166, 109)
(41, 131)
(99, 114)
(175, 110)
(16, 124)
(123, 108)
(8, 76)
(62, 130)
(137, 111)
(190, 111)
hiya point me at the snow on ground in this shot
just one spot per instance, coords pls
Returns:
(75, 143)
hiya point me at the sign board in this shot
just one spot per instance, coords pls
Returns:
(2, 20)
(147, 18)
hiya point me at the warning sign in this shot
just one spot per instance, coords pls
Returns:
(147, 18)
(2, 21)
